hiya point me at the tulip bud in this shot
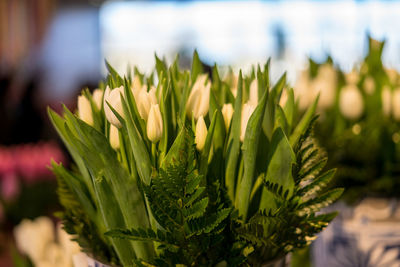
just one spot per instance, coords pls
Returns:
(98, 97)
(247, 110)
(145, 101)
(114, 137)
(351, 102)
(113, 97)
(386, 100)
(201, 134)
(303, 90)
(227, 113)
(253, 94)
(369, 85)
(352, 77)
(136, 87)
(85, 110)
(154, 124)
(396, 104)
(199, 99)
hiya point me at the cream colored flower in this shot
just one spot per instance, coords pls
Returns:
(98, 97)
(33, 237)
(80, 260)
(154, 124)
(145, 101)
(369, 85)
(386, 100)
(253, 93)
(351, 102)
(396, 104)
(247, 110)
(201, 133)
(303, 90)
(113, 97)
(227, 113)
(352, 77)
(85, 110)
(199, 99)
(114, 137)
(325, 85)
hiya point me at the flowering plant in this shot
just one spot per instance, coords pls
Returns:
(359, 124)
(191, 169)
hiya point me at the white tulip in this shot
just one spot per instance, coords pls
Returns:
(201, 133)
(369, 85)
(234, 84)
(80, 260)
(33, 237)
(113, 97)
(145, 101)
(154, 124)
(327, 91)
(114, 137)
(98, 97)
(85, 110)
(199, 99)
(247, 110)
(227, 113)
(386, 100)
(352, 77)
(303, 91)
(396, 104)
(351, 102)
(325, 84)
(253, 93)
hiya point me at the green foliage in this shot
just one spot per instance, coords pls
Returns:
(292, 222)
(77, 223)
(190, 226)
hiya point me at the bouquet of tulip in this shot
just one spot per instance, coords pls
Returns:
(359, 124)
(179, 168)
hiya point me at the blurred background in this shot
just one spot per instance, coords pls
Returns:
(50, 50)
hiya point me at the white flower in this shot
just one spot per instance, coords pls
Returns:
(303, 90)
(253, 93)
(386, 100)
(80, 260)
(33, 237)
(98, 97)
(369, 85)
(145, 101)
(325, 84)
(201, 133)
(352, 77)
(351, 102)
(113, 97)
(154, 124)
(199, 99)
(327, 91)
(247, 110)
(85, 110)
(114, 137)
(396, 104)
(227, 113)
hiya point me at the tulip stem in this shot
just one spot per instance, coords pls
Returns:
(154, 154)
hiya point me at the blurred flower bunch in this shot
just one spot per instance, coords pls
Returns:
(47, 245)
(26, 163)
(185, 168)
(359, 124)
(25, 180)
